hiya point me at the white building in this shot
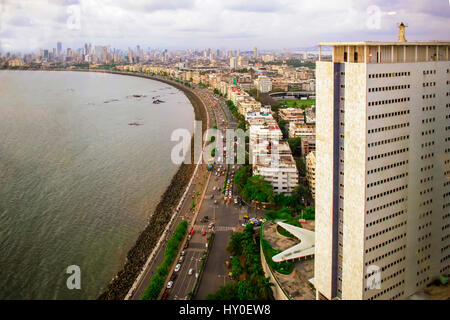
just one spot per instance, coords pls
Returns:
(233, 63)
(278, 167)
(383, 169)
(263, 84)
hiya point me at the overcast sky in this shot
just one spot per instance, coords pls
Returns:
(27, 25)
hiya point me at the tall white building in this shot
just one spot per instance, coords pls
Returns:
(233, 63)
(383, 169)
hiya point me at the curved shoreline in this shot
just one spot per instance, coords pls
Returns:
(138, 254)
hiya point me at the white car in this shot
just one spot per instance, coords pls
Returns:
(169, 284)
(191, 271)
(181, 259)
(183, 253)
(177, 267)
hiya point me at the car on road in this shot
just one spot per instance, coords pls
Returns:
(212, 196)
(183, 252)
(177, 267)
(173, 277)
(181, 259)
(235, 200)
(192, 232)
(165, 295)
(169, 284)
(204, 233)
(191, 271)
(215, 201)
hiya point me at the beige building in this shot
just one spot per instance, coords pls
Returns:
(311, 172)
(300, 130)
(383, 169)
(292, 115)
(278, 167)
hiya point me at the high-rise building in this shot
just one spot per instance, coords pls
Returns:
(233, 63)
(256, 53)
(383, 169)
(59, 48)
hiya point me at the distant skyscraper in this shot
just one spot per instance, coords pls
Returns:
(233, 63)
(383, 169)
(256, 53)
(59, 48)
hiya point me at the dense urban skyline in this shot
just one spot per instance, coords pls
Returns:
(27, 26)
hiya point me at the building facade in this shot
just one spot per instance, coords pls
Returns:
(383, 169)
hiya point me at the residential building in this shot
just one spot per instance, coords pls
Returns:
(277, 166)
(300, 130)
(263, 84)
(308, 144)
(311, 172)
(292, 115)
(383, 169)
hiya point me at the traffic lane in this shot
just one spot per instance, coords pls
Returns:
(184, 283)
(216, 271)
(159, 257)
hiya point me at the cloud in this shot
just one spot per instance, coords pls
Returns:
(30, 25)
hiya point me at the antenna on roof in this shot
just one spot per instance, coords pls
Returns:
(402, 32)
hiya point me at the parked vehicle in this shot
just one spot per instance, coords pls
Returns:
(191, 271)
(173, 277)
(177, 267)
(181, 259)
(204, 233)
(169, 284)
(165, 295)
(183, 252)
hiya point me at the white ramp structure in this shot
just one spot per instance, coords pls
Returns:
(303, 249)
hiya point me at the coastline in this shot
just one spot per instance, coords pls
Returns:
(137, 256)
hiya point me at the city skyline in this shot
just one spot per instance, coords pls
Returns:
(28, 26)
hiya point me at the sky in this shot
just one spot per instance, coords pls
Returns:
(27, 25)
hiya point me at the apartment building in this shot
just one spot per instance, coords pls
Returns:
(300, 130)
(291, 115)
(308, 144)
(311, 172)
(277, 166)
(263, 84)
(383, 169)
(246, 104)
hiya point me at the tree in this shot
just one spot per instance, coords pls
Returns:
(282, 124)
(301, 166)
(296, 146)
(241, 177)
(236, 267)
(302, 194)
(258, 189)
(309, 214)
(227, 292)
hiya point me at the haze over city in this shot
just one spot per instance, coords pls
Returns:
(179, 24)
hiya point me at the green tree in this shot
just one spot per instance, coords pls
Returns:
(242, 175)
(227, 292)
(302, 194)
(283, 127)
(258, 189)
(301, 166)
(296, 146)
